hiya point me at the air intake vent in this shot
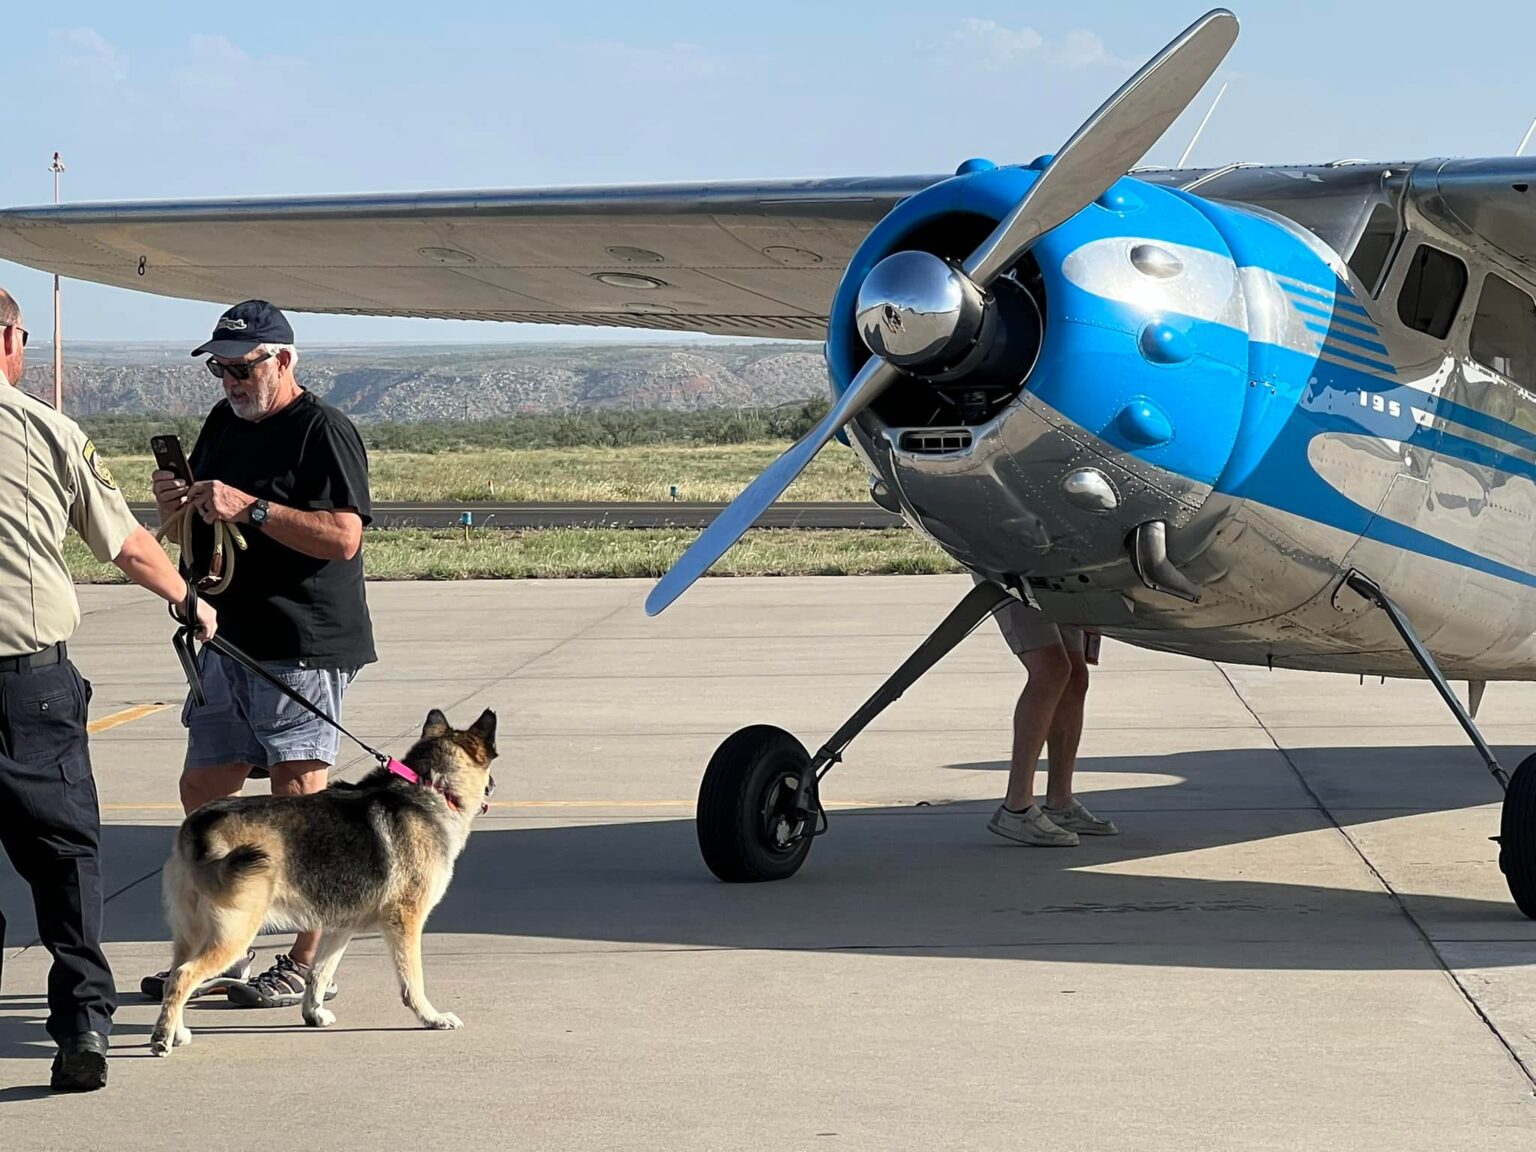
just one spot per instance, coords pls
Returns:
(936, 441)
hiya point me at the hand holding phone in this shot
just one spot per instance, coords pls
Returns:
(175, 476)
(169, 456)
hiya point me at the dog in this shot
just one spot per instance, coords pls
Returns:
(374, 855)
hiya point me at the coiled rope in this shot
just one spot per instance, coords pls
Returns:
(179, 527)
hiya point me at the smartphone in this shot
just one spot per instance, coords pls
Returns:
(169, 457)
(1091, 643)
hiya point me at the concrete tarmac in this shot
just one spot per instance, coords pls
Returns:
(1300, 940)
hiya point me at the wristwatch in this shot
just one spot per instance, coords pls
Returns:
(259, 513)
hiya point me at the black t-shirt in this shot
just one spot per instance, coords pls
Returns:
(282, 604)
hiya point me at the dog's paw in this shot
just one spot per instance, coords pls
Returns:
(320, 1018)
(442, 1022)
(159, 1045)
(183, 1037)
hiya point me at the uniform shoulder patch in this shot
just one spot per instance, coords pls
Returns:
(98, 465)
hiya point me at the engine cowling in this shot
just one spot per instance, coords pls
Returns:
(1099, 385)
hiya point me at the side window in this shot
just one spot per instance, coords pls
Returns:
(1432, 291)
(1369, 259)
(1504, 331)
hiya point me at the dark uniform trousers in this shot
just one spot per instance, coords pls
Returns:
(50, 827)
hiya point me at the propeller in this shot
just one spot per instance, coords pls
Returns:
(914, 309)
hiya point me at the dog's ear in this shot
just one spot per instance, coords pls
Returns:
(436, 725)
(485, 728)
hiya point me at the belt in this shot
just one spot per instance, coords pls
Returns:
(54, 654)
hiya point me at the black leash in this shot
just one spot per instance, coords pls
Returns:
(185, 644)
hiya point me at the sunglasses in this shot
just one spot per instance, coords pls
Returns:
(241, 371)
(20, 329)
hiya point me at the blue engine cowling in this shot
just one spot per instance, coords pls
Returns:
(1131, 404)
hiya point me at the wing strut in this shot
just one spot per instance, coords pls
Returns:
(1371, 591)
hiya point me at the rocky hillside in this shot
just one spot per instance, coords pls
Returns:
(453, 382)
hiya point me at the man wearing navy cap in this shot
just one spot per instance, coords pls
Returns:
(290, 473)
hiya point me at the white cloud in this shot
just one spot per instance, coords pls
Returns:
(987, 44)
(88, 54)
(1083, 49)
(219, 67)
(991, 47)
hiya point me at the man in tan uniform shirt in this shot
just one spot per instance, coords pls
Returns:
(51, 480)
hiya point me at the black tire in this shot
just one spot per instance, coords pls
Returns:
(1517, 837)
(746, 795)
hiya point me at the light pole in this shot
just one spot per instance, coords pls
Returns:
(58, 349)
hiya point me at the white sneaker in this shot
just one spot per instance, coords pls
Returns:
(1080, 820)
(1031, 827)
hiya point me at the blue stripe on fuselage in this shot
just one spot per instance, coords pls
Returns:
(1345, 354)
(1321, 294)
(1358, 341)
(1343, 321)
(1286, 480)
(1298, 396)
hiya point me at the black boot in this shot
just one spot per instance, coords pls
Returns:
(81, 1063)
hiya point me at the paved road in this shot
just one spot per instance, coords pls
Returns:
(1300, 940)
(617, 515)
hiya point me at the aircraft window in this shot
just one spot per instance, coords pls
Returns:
(1432, 291)
(1369, 259)
(1504, 331)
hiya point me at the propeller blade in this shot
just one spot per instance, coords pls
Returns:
(1110, 142)
(874, 378)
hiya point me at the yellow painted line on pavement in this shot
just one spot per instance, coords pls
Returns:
(126, 716)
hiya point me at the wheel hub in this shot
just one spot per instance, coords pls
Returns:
(780, 821)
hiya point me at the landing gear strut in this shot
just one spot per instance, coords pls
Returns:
(1517, 825)
(759, 803)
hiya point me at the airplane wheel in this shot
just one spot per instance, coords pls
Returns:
(1517, 836)
(745, 818)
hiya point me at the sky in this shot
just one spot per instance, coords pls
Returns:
(192, 100)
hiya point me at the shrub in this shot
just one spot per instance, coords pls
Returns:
(129, 435)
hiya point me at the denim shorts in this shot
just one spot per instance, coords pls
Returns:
(245, 720)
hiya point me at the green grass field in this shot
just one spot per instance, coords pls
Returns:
(703, 474)
(414, 554)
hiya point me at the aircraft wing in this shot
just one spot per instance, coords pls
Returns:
(734, 259)
(1493, 200)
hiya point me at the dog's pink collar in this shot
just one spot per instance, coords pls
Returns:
(403, 770)
(406, 772)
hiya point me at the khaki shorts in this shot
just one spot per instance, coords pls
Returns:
(1027, 629)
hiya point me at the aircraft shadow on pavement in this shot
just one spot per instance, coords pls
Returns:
(931, 879)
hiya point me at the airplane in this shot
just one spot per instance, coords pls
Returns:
(1275, 415)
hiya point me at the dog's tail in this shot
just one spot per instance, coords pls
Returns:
(218, 861)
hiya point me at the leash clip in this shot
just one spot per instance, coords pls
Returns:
(185, 643)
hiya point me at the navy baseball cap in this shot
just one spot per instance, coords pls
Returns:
(245, 326)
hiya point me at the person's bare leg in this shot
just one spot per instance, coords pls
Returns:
(1066, 732)
(300, 778)
(199, 786)
(1033, 717)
